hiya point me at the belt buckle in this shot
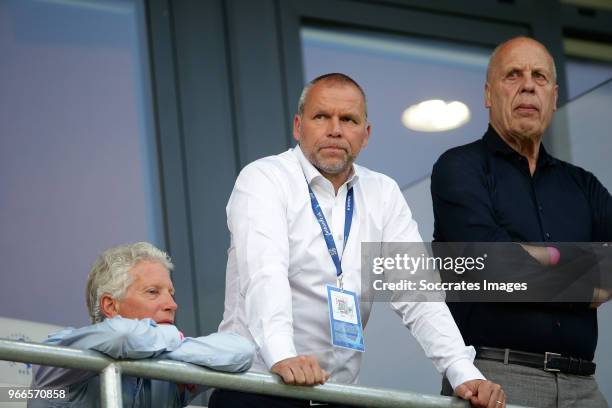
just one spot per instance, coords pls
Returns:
(547, 356)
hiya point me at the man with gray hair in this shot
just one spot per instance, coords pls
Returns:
(131, 304)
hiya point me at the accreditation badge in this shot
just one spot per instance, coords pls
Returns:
(345, 319)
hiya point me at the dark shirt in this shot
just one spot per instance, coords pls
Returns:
(484, 192)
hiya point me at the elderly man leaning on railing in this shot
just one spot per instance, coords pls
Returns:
(130, 298)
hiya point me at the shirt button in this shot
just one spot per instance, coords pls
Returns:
(558, 324)
(540, 208)
(547, 235)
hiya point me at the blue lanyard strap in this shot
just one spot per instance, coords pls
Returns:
(327, 234)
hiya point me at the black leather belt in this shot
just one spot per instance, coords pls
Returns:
(552, 362)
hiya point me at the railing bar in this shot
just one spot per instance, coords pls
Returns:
(180, 372)
(43, 354)
(110, 387)
(266, 384)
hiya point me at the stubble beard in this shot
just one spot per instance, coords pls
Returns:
(333, 166)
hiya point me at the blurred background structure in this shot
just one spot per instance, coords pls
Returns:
(128, 120)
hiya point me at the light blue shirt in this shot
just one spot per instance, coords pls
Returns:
(122, 338)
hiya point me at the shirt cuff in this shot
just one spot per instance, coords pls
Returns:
(461, 371)
(277, 348)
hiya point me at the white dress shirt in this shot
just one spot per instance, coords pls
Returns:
(278, 266)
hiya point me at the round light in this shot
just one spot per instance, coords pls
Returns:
(436, 116)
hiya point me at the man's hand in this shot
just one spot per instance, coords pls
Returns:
(544, 255)
(300, 370)
(482, 393)
(600, 296)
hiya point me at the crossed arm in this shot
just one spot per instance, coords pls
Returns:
(121, 338)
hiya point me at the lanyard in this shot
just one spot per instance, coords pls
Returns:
(327, 234)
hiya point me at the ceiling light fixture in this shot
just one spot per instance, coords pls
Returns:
(436, 116)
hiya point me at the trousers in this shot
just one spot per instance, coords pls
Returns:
(534, 387)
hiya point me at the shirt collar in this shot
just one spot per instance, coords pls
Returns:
(496, 144)
(312, 173)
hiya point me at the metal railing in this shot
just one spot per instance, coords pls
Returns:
(112, 370)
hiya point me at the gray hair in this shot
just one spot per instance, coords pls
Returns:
(520, 37)
(334, 77)
(110, 273)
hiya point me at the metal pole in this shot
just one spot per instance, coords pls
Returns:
(55, 356)
(178, 372)
(271, 385)
(110, 387)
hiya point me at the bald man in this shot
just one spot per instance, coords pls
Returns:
(506, 187)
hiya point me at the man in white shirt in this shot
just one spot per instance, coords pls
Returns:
(279, 265)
